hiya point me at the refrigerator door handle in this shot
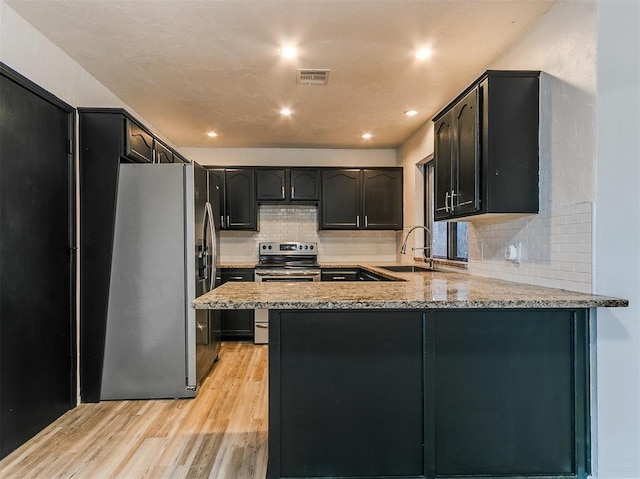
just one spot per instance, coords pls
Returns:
(213, 247)
(202, 250)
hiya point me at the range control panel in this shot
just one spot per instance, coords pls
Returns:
(287, 248)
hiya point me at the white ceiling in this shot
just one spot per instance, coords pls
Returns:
(190, 66)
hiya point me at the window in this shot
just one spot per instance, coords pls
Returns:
(449, 239)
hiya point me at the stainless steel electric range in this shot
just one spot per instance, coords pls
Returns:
(290, 261)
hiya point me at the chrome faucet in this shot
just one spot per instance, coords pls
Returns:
(427, 259)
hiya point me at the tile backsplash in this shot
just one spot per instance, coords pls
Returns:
(556, 248)
(300, 223)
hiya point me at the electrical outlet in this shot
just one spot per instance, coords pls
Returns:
(513, 253)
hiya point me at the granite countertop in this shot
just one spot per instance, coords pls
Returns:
(428, 290)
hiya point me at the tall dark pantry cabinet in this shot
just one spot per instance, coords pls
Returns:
(37, 265)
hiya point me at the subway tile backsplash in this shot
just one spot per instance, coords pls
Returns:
(556, 248)
(300, 223)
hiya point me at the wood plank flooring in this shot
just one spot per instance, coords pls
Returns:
(222, 433)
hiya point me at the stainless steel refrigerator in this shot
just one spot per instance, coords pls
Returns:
(165, 255)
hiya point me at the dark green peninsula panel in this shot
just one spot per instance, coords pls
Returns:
(425, 394)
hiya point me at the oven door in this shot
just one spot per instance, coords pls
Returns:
(285, 275)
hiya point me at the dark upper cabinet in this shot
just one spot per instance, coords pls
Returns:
(304, 184)
(138, 143)
(215, 185)
(486, 148)
(382, 198)
(341, 199)
(271, 184)
(287, 185)
(368, 198)
(232, 194)
(163, 154)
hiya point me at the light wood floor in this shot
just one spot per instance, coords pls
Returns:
(222, 433)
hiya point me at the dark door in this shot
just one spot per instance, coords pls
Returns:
(382, 199)
(466, 185)
(305, 185)
(216, 197)
(37, 326)
(341, 202)
(240, 192)
(443, 145)
(271, 184)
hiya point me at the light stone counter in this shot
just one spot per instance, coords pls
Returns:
(431, 290)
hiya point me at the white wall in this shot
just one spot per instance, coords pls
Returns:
(557, 243)
(27, 51)
(292, 156)
(617, 233)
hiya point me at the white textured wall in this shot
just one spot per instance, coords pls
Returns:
(291, 156)
(557, 243)
(27, 51)
(617, 233)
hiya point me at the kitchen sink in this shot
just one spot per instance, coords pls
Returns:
(407, 269)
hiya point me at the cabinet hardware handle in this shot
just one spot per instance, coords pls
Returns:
(366, 221)
(446, 202)
(452, 196)
(338, 277)
(236, 277)
(228, 222)
(282, 193)
(358, 221)
(293, 192)
(222, 221)
(263, 326)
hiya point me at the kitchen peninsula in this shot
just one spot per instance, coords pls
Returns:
(436, 374)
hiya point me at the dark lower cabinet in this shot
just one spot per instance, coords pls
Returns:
(427, 394)
(509, 393)
(346, 394)
(237, 324)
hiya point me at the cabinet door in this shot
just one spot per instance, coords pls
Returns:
(443, 144)
(138, 143)
(216, 196)
(382, 199)
(339, 275)
(240, 190)
(271, 184)
(305, 185)
(467, 148)
(163, 154)
(341, 200)
(237, 324)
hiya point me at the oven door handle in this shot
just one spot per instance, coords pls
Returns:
(282, 274)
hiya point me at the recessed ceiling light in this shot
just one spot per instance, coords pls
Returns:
(367, 136)
(423, 53)
(286, 111)
(411, 112)
(288, 52)
(212, 134)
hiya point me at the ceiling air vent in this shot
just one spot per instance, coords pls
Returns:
(316, 76)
